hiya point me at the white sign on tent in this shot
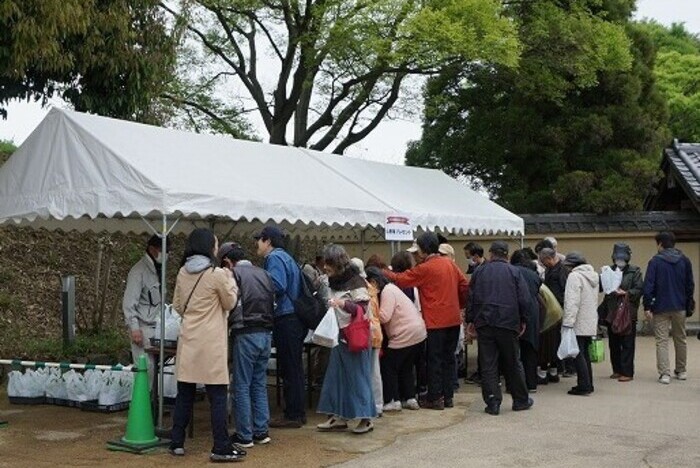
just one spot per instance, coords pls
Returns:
(398, 228)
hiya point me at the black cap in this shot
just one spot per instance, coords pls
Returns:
(622, 251)
(269, 232)
(226, 249)
(499, 247)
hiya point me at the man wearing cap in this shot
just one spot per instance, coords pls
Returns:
(141, 301)
(497, 313)
(443, 291)
(288, 331)
(250, 324)
(622, 346)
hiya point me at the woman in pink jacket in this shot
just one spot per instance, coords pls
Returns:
(405, 329)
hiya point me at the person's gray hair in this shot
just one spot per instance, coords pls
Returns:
(552, 240)
(336, 257)
(547, 253)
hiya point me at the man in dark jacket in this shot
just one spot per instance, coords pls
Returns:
(622, 346)
(251, 329)
(497, 310)
(555, 279)
(668, 300)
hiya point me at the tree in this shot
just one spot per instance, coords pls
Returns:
(6, 150)
(111, 57)
(577, 127)
(324, 73)
(677, 72)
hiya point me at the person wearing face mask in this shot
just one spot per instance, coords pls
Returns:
(622, 346)
(141, 301)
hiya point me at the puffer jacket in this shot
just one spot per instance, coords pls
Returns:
(581, 301)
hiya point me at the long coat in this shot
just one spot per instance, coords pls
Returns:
(202, 347)
(581, 301)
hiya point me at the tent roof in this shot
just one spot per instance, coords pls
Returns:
(85, 172)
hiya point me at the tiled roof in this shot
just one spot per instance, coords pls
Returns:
(640, 221)
(685, 159)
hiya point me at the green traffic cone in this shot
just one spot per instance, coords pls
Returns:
(3, 423)
(140, 434)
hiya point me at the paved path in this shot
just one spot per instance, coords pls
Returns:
(636, 424)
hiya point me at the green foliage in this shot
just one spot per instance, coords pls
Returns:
(677, 70)
(110, 57)
(339, 66)
(576, 127)
(113, 344)
(6, 150)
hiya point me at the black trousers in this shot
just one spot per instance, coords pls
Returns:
(289, 333)
(420, 363)
(440, 352)
(584, 372)
(398, 378)
(500, 345)
(183, 410)
(528, 356)
(622, 352)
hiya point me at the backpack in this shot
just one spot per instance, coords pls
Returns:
(309, 306)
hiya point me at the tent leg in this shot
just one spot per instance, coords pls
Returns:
(522, 241)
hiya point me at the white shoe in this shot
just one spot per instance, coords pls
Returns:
(333, 424)
(364, 427)
(392, 406)
(682, 375)
(411, 404)
(665, 379)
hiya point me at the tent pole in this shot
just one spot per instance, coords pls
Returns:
(362, 241)
(163, 290)
(522, 241)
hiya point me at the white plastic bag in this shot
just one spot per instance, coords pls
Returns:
(55, 385)
(169, 382)
(172, 324)
(610, 279)
(111, 390)
(15, 384)
(568, 348)
(326, 334)
(93, 383)
(76, 388)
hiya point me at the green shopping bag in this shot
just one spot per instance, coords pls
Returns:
(596, 350)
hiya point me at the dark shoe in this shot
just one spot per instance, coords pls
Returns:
(579, 392)
(231, 454)
(474, 379)
(493, 408)
(624, 378)
(542, 380)
(568, 373)
(522, 406)
(532, 390)
(238, 440)
(262, 439)
(449, 403)
(438, 404)
(284, 423)
(553, 378)
(615, 375)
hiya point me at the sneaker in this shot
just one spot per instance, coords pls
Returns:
(449, 403)
(284, 423)
(392, 406)
(681, 375)
(176, 451)
(262, 439)
(332, 424)
(615, 375)
(410, 404)
(579, 392)
(542, 380)
(231, 454)
(531, 390)
(553, 378)
(438, 404)
(665, 379)
(624, 378)
(493, 408)
(522, 406)
(240, 441)
(474, 379)
(363, 427)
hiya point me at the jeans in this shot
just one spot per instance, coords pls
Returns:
(289, 333)
(251, 351)
(398, 378)
(183, 412)
(377, 389)
(440, 353)
(584, 372)
(500, 346)
(622, 352)
(661, 322)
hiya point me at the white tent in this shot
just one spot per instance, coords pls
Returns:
(96, 173)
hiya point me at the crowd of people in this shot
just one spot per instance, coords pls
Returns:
(400, 326)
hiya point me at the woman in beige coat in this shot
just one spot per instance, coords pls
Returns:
(204, 295)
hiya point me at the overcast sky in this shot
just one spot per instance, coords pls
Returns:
(388, 142)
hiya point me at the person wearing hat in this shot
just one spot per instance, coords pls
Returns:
(498, 312)
(141, 300)
(250, 325)
(443, 292)
(288, 331)
(555, 276)
(581, 314)
(622, 346)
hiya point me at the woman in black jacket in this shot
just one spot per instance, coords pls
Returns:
(529, 340)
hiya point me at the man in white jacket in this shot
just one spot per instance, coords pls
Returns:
(581, 315)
